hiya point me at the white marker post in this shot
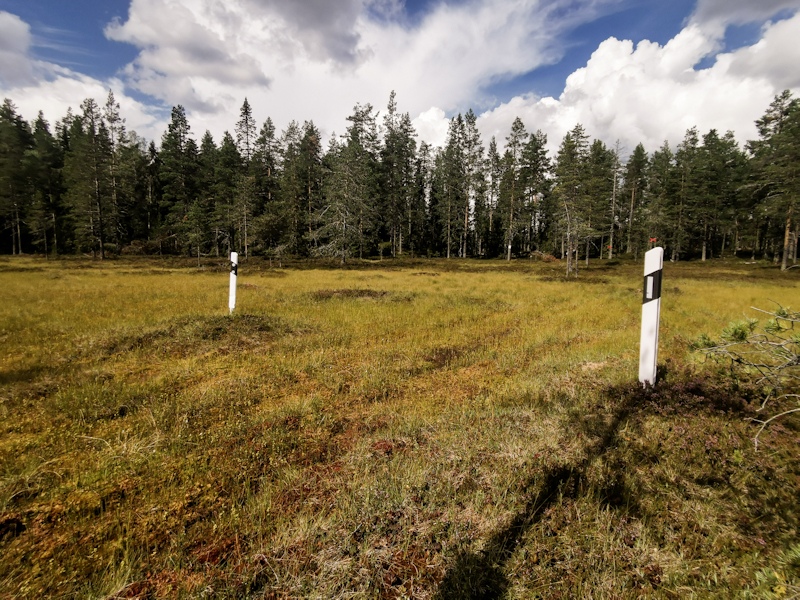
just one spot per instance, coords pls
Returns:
(234, 269)
(651, 314)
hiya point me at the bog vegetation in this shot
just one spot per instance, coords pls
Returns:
(397, 429)
(90, 186)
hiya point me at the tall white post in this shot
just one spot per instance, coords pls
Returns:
(651, 314)
(234, 269)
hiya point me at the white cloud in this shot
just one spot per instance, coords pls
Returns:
(315, 59)
(431, 126)
(651, 93)
(15, 39)
(35, 85)
(719, 13)
(318, 58)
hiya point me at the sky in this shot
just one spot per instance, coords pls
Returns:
(633, 71)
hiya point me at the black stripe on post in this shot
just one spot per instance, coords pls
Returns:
(652, 287)
(234, 268)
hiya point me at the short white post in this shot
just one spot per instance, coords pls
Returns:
(234, 269)
(651, 314)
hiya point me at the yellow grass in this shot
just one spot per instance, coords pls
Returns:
(349, 433)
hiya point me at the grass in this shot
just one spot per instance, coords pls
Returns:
(426, 429)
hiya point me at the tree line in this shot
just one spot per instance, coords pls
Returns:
(88, 185)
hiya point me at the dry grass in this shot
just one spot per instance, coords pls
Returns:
(426, 429)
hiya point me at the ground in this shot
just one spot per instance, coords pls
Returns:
(417, 428)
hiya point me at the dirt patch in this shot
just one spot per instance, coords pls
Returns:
(388, 447)
(349, 293)
(185, 334)
(16, 269)
(445, 355)
(579, 279)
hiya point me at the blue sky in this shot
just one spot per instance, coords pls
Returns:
(710, 63)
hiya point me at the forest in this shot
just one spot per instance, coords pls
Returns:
(89, 186)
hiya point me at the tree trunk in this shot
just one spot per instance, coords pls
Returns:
(787, 239)
(511, 222)
(569, 254)
(705, 240)
(613, 205)
(630, 220)
(19, 231)
(55, 238)
(448, 222)
(466, 225)
(99, 219)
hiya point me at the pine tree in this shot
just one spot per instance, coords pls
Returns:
(512, 186)
(450, 195)
(15, 140)
(397, 173)
(473, 176)
(719, 181)
(246, 133)
(228, 170)
(571, 190)
(599, 192)
(419, 234)
(346, 216)
(663, 189)
(310, 169)
(177, 175)
(118, 211)
(535, 176)
(291, 187)
(43, 163)
(494, 167)
(777, 169)
(270, 223)
(634, 188)
(86, 171)
(363, 131)
(207, 173)
(686, 159)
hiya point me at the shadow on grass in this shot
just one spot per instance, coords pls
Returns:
(24, 375)
(480, 575)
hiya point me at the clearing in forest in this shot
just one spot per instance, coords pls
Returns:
(426, 429)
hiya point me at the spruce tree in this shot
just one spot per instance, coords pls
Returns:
(512, 187)
(777, 172)
(177, 176)
(634, 188)
(246, 133)
(571, 176)
(86, 171)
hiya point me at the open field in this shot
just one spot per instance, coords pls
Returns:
(425, 429)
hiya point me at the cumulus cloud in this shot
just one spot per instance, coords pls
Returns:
(35, 85)
(317, 58)
(651, 93)
(431, 126)
(15, 40)
(304, 59)
(720, 13)
(325, 28)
